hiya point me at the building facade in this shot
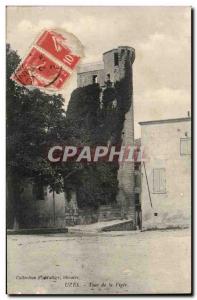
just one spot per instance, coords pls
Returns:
(166, 173)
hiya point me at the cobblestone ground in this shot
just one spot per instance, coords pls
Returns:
(109, 263)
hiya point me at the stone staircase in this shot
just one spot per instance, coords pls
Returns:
(114, 225)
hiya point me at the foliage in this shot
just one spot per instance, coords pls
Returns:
(90, 123)
(35, 121)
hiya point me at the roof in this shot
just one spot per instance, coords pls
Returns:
(165, 121)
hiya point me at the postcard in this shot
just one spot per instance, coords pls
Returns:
(99, 160)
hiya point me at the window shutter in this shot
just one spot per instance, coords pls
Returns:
(185, 146)
(159, 180)
(162, 182)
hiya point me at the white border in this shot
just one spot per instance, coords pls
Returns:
(99, 3)
(3, 5)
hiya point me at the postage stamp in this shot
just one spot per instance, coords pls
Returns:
(98, 150)
(55, 44)
(40, 71)
(48, 64)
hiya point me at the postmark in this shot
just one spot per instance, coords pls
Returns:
(49, 63)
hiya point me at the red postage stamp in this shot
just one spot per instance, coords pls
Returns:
(56, 45)
(38, 70)
(49, 63)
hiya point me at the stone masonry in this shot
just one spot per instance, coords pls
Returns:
(113, 69)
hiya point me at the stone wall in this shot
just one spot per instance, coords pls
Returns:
(86, 78)
(89, 216)
(115, 63)
(108, 213)
(126, 195)
(116, 66)
(40, 213)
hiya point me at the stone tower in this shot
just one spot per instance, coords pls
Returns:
(114, 69)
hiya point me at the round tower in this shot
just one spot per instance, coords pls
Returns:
(115, 60)
(118, 67)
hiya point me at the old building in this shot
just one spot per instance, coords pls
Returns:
(106, 74)
(166, 173)
(38, 206)
(111, 69)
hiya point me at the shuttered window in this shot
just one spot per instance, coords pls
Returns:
(159, 180)
(185, 146)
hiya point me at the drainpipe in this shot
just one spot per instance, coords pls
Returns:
(147, 185)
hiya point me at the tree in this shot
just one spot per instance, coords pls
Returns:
(35, 122)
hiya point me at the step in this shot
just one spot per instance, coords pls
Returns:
(114, 225)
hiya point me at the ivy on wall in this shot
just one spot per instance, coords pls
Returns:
(96, 117)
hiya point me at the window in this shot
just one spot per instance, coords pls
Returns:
(94, 79)
(137, 181)
(137, 165)
(159, 181)
(38, 191)
(185, 146)
(137, 199)
(115, 59)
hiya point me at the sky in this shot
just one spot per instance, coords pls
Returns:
(161, 37)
